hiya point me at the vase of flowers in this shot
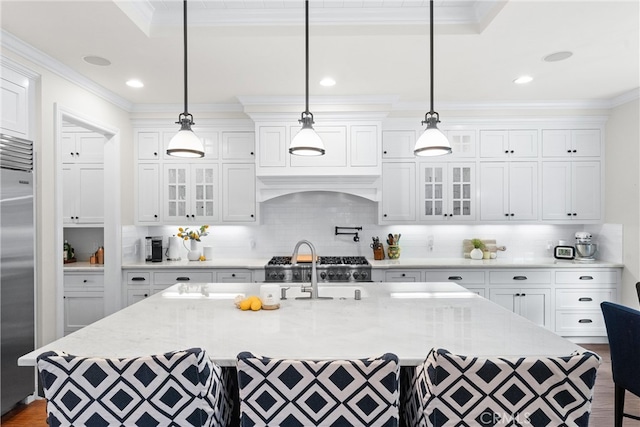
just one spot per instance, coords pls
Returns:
(194, 236)
(478, 246)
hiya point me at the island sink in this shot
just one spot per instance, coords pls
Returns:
(333, 292)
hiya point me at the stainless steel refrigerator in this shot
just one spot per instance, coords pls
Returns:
(17, 271)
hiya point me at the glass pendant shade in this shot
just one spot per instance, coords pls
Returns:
(432, 142)
(306, 142)
(185, 143)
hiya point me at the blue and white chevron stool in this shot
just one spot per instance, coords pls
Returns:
(288, 393)
(181, 388)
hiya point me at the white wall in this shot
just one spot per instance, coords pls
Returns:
(622, 189)
(54, 89)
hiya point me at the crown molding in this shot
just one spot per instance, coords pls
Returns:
(193, 108)
(19, 47)
(507, 105)
(632, 95)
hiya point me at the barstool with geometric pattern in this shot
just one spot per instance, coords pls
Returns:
(451, 390)
(286, 392)
(181, 388)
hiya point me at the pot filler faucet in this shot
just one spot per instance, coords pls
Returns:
(313, 290)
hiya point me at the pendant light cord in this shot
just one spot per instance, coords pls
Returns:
(431, 50)
(184, 26)
(306, 36)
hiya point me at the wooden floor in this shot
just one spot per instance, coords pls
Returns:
(34, 414)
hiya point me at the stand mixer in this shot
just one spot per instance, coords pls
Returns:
(585, 250)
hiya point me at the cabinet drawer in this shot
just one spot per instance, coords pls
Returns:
(238, 276)
(460, 277)
(83, 280)
(138, 278)
(403, 276)
(586, 277)
(520, 277)
(587, 323)
(583, 298)
(170, 278)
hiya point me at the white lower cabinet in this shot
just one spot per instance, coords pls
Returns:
(531, 303)
(472, 280)
(83, 300)
(403, 276)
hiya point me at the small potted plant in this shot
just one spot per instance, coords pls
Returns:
(478, 246)
(194, 236)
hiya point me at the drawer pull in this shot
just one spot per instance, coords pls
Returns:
(585, 299)
(455, 277)
(138, 279)
(183, 279)
(585, 321)
(519, 277)
(586, 278)
(233, 274)
(403, 275)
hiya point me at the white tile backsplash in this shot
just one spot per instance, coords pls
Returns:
(314, 215)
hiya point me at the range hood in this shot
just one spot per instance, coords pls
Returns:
(271, 186)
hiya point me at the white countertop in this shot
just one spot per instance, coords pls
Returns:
(424, 263)
(489, 263)
(451, 317)
(83, 266)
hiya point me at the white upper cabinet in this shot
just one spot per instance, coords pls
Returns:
(508, 191)
(173, 190)
(350, 149)
(82, 147)
(191, 193)
(14, 95)
(571, 143)
(447, 191)
(398, 192)
(238, 146)
(463, 143)
(398, 144)
(83, 189)
(508, 143)
(571, 191)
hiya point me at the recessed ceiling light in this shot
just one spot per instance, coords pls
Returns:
(522, 80)
(96, 60)
(327, 82)
(135, 83)
(558, 56)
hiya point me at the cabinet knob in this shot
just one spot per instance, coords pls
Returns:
(384, 152)
(523, 295)
(84, 281)
(506, 214)
(251, 153)
(71, 154)
(517, 295)
(155, 216)
(403, 275)
(512, 214)
(155, 153)
(385, 215)
(568, 151)
(574, 151)
(233, 274)
(511, 151)
(569, 214)
(146, 295)
(252, 215)
(574, 214)
(506, 151)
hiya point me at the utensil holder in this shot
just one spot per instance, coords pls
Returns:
(378, 253)
(393, 251)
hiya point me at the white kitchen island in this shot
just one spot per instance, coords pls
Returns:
(405, 319)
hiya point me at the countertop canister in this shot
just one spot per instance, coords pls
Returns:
(270, 296)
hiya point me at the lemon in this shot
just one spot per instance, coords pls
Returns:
(245, 304)
(256, 304)
(202, 258)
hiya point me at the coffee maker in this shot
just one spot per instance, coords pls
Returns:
(153, 249)
(585, 249)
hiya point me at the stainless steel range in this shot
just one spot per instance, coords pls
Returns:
(329, 269)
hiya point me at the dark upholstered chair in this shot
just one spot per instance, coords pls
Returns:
(638, 290)
(283, 392)
(451, 390)
(623, 331)
(182, 388)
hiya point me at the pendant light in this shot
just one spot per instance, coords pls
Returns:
(306, 142)
(432, 142)
(185, 143)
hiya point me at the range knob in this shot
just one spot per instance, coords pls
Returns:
(296, 275)
(347, 275)
(363, 275)
(356, 275)
(323, 275)
(273, 275)
(332, 274)
(281, 275)
(340, 276)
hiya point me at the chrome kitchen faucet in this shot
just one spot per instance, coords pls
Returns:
(313, 290)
